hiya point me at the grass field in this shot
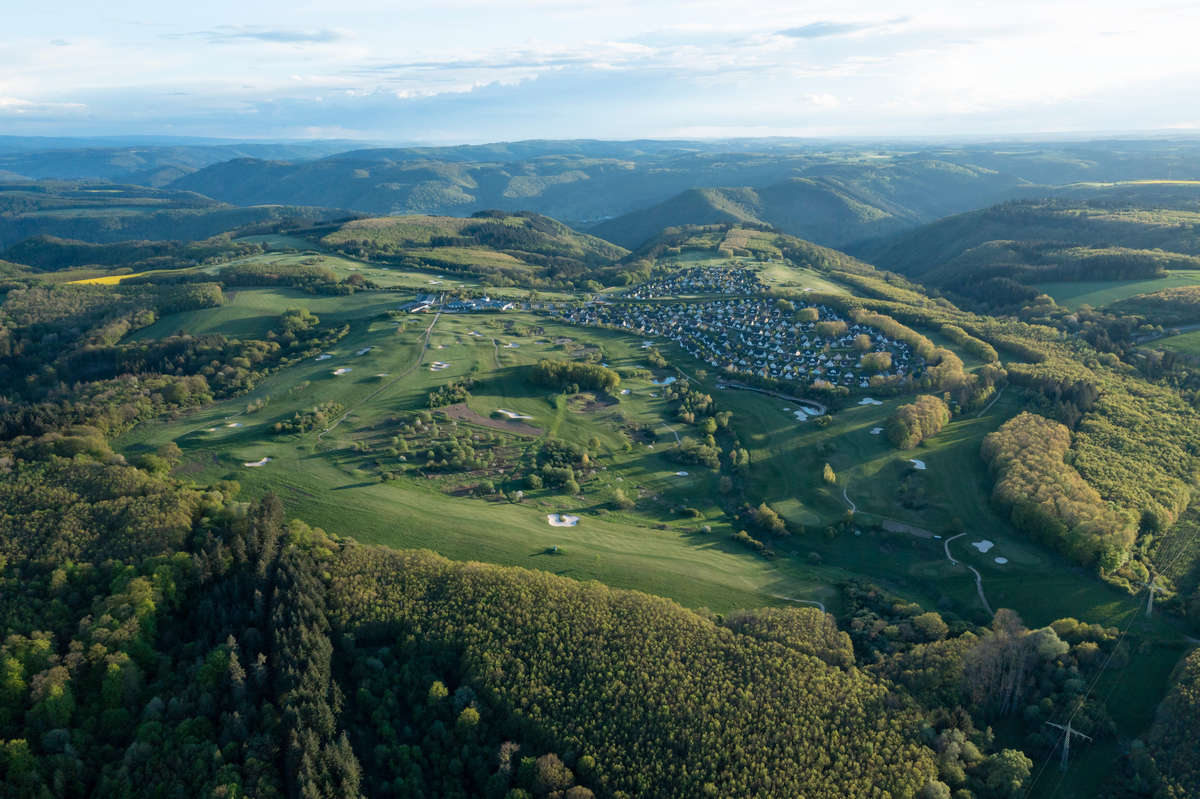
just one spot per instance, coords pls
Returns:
(1099, 293)
(1185, 342)
(321, 476)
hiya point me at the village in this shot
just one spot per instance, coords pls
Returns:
(698, 280)
(763, 338)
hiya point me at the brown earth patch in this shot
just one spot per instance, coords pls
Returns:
(463, 413)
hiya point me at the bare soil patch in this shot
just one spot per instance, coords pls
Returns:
(463, 413)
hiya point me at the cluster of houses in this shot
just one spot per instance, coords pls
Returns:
(756, 337)
(699, 280)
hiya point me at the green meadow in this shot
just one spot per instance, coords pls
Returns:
(1099, 293)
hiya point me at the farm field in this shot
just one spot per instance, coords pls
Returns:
(1099, 293)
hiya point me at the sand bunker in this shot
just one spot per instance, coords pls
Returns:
(512, 414)
(561, 520)
(982, 546)
(876, 431)
(624, 391)
(473, 333)
(917, 464)
(681, 474)
(438, 366)
(259, 462)
(234, 424)
(512, 345)
(364, 350)
(1002, 561)
(324, 357)
(800, 415)
(342, 370)
(666, 381)
(869, 401)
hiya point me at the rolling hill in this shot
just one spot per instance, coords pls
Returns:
(507, 249)
(1082, 234)
(106, 213)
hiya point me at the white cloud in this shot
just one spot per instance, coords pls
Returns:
(571, 67)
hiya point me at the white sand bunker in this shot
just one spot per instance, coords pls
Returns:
(210, 429)
(624, 391)
(364, 350)
(666, 381)
(647, 345)
(512, 414)
(234, 424)
(438, 366)
(260, 462)
(343, 370)
(681, 474)
(917, 464)
(561, 520)
(1002, 561)
(982, 546)
(801, 416)
(474, 333)
(382, 374)
(512, 345)
(324, 357)
(876, 431)
(869, 401)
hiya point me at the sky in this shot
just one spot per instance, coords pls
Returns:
(469, 71)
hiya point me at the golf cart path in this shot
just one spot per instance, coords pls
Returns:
(978, 576)
(896, 526)
(820, 605)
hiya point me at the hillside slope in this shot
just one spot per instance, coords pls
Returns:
(1123, 233)
(106, 213)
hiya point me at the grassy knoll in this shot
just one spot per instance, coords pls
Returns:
(1099, 293)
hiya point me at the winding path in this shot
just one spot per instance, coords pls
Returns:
(907, 528)
(821, 605)
(978, 576)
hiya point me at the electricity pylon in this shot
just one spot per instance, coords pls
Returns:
(1067, 733)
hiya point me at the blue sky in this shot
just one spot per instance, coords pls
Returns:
(475, 71)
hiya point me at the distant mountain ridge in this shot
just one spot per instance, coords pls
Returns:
(832, 193)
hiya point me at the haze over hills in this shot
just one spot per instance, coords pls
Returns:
(834, 195)
(154, 162)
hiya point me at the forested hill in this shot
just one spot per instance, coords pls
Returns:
(1121, 233)
(834, 205)
(109, 213)
(165, 640)
(843, 192)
